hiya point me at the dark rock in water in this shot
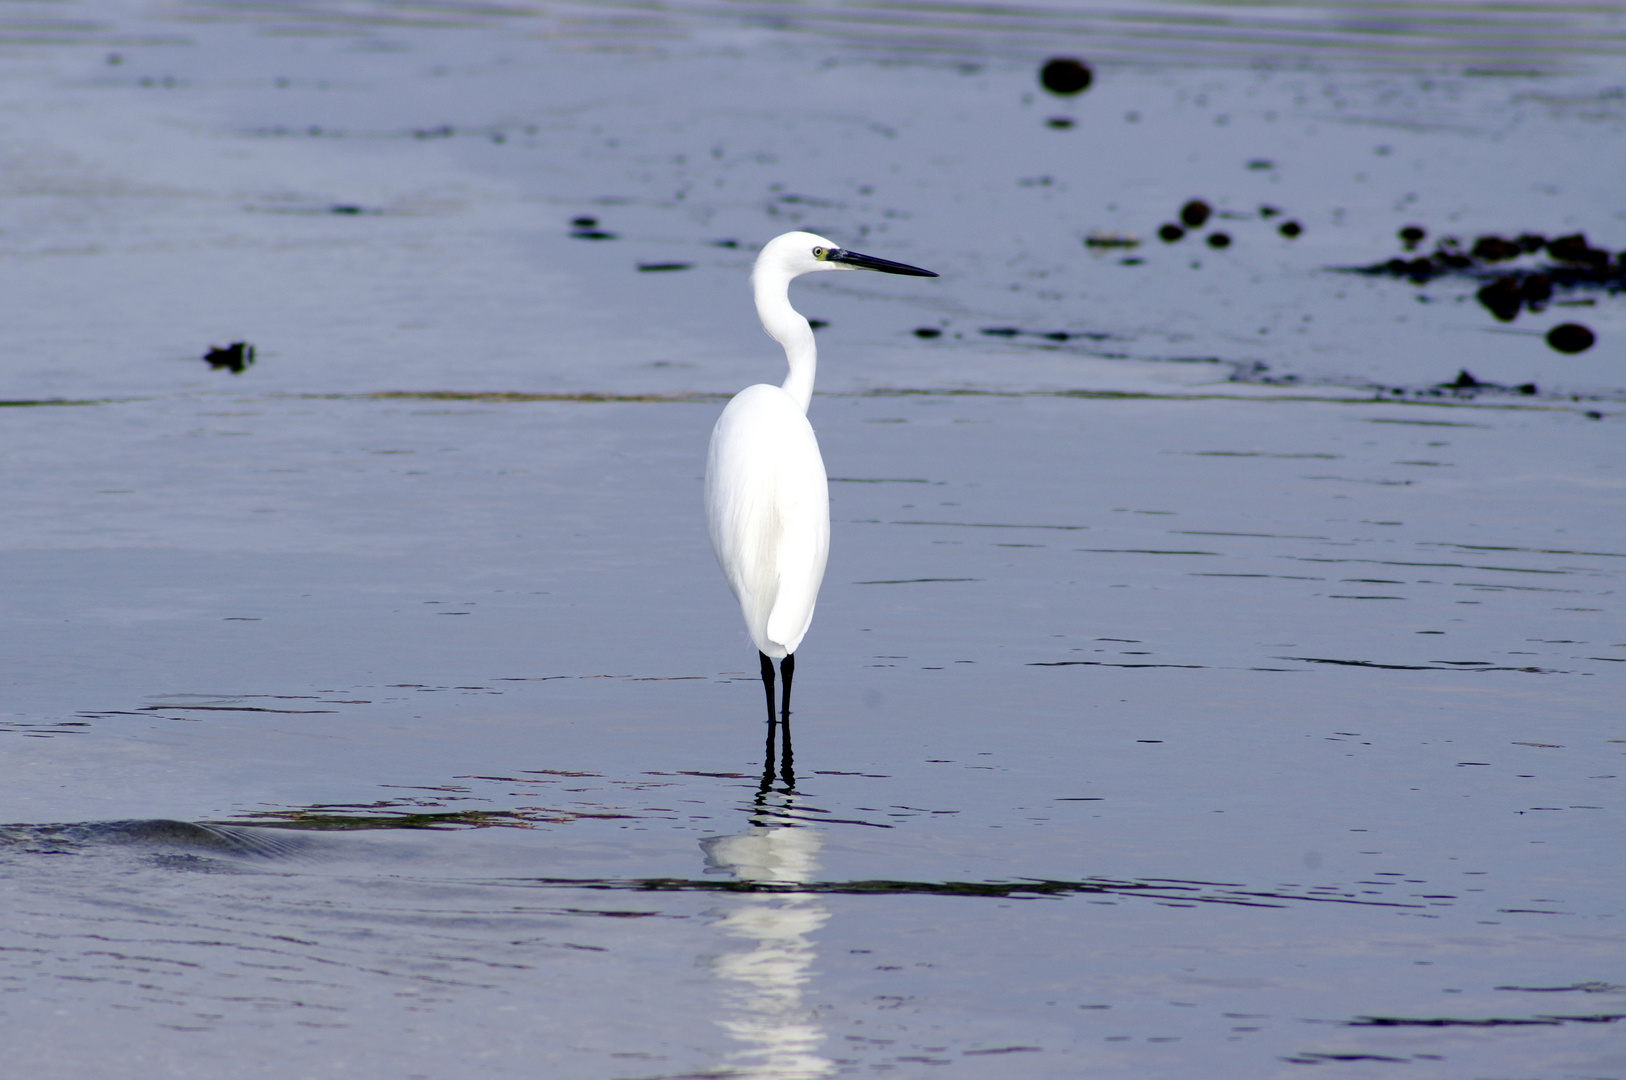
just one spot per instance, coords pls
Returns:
(1570, 338)
(592, 234)
(1219, 240)
(1536, 289)
(1195, 212)
(725, 243)
(1170, 233)
(1495, 249)
(1066, 76)
(1290, 229)
(1575, 249)
(1268, 212)
(1455, 260)
(655, 267)
(1530, 242)
(234, 357)
(1502, 298)
(1001, 331)
(927, 332)
(1526, 388)
(1412, 235)
(1060, 123)
(818, 324)
(1056, 335)
(584, 222)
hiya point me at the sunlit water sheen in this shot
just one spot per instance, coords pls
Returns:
(1198, 686)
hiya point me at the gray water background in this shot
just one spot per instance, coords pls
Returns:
(380, 712)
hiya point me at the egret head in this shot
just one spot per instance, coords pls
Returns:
(796, 253)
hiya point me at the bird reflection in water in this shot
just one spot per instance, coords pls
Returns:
(779, 1033)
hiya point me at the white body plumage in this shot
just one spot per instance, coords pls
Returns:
(768, 510)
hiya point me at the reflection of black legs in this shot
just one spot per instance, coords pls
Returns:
(768, 763)
(787, 769)
(767, 684)
(787, 667)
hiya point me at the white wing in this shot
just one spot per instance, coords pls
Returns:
(768, 510)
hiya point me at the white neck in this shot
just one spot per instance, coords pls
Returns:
(772, 288)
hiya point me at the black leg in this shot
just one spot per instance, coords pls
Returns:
(787, 668)
(767, 684)
(787, 771)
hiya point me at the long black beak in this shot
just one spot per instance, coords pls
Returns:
(870, 262)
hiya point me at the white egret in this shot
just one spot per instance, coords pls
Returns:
(767, 498)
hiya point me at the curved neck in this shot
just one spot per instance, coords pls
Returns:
(787, 327)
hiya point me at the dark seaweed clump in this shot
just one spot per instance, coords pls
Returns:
(1540, 270)
(1545, 266)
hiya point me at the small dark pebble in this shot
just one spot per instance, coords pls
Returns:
(818, 324)
(1065, 75)
(234, 357)
(1261, 164)
(1001, 331)
(1530, 242)
(1456, 260)
(1412, 235)
(1219, 240)
(1495, 249)
(1570, 338)
(1536, 289)
(1502, 298)
(1060, 123)
(593, 234)
(1290, 229)
(345, 209)
(584, 222)
(652, 267)
(1195, 212)
(1593, 414)
(1567, 248)
(1420, 268)
(1268, 211)
(1575, 249)
(725, 243)
(1170, 233)
(1526, 388)
(927, 332)
(1057, 335)
(1463, 381)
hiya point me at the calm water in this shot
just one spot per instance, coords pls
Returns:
(379, 711)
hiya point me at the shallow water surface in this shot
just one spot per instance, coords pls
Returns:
(379, 711)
